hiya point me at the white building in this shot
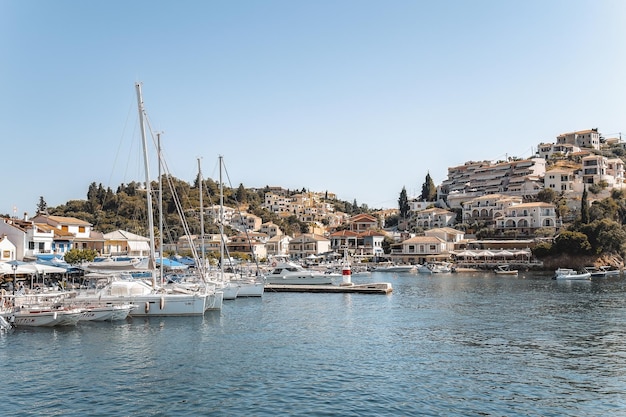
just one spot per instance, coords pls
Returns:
(527, 217)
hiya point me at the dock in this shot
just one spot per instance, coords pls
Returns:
(373, 288)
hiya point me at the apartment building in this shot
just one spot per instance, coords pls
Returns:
(582, 138)
(549, 150)
(486, 208)
(434, 217)
(72, 233)
(515, 177)
(597, 169)
(525, 218)
(246, 221)
(563, 180)
(308, 244)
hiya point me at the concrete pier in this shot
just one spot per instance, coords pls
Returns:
(373, 288)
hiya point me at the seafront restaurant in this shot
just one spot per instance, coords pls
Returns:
(490, 253)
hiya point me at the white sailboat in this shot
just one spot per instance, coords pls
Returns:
(151, 299)
(230, 290)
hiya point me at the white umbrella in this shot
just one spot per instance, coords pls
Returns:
(20, 268)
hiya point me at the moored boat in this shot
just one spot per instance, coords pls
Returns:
(571, 274)
(106, 312)
(391, 267)
(290, 273)
(435, 268)
(34, 316)
(505, 270)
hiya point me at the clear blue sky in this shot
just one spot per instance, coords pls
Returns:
(356, 97)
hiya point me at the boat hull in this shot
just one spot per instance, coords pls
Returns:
(46, 317)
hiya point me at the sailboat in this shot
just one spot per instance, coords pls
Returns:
(250, 286)
(149, 298)
(230, 290)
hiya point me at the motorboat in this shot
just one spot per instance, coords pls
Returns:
(290, 273)
(46, 316)
(505, 270)
(435, 268)
(391, 267)
(571, 274)
(106, 312)
(603, 271)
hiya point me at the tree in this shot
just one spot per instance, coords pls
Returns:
(77, 256)
(584, 208)
(547, 195)
(42, 206)
(429, 191)
(403, 203)
(240, 195)
(574, 243)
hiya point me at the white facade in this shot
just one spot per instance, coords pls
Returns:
(488, 207)
(582, 138)
(434, 217)
(29, 239)
(527, 216)
(563, 181)
(7, 250)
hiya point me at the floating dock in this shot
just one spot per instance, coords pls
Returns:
(373, 288)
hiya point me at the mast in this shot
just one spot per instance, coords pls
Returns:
(160, 212)
(221, 221)
(202, 262)
(152, 257)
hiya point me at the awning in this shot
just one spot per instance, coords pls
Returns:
(138, 246)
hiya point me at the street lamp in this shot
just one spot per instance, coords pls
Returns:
(14, 268)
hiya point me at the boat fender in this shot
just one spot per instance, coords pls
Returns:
(162, 303)
(147, 307)
(54, 316)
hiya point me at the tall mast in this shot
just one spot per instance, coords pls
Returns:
(152, 257)
(160, 211)
(200, 185)
(221, 221)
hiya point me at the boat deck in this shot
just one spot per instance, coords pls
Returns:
(373, 288)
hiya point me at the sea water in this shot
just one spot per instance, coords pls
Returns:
(439, 345)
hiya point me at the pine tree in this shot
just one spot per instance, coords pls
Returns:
(584, 208)
(429, 191)
(403, 203)
(42, 206)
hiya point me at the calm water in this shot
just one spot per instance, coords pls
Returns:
(463, 345)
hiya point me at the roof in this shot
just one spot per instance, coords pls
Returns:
(447, 230)
(64, 220)
(344, 233)
(424, 239)
(363, 218)
(124, 235)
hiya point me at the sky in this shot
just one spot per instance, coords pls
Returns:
(359, 98)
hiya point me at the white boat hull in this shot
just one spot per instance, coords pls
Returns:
(112, 312)
(46, 317)
(321, 279)
(251, 289)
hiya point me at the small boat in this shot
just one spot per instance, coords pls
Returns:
(6, 325)
(391, 267)
(596, 272)
(46, 316)
(435, 268)
(609, 270)
(106, 312)
(289, 273)
(571, 274)
(505, 270)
